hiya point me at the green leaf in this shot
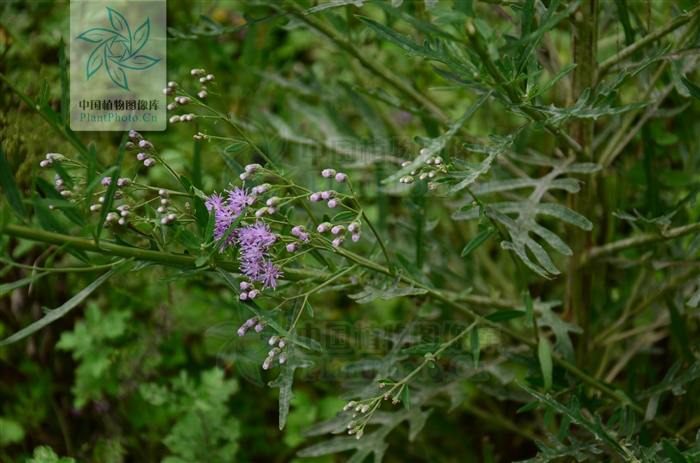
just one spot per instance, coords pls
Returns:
(404, 397)
(386, 292)
(692, 88)
(10, 186)
(529, 308)
(545, 356)
(284, 383)
(573, 411)
(344, 216)
(672, 452)
(59, 202)
(557, 77)
(59, 311)
(65, 86)
(434, 145)
(475, 242)
(504, 315)
(475, 345)
(9, 287)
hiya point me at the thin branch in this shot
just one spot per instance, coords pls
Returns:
(641, 240)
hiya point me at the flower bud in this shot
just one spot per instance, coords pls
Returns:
(95, 207)
(168, 91)
(172, 85)
(341, 177)
(202, 94)
(356, 237)
(129, 146)
(123, 182)
(175, 119)
(273, 340)
(274, 201)
(210, 77)
(283, 358)
(298, 230)
(268, 363)
(245, 286)
(150, 162)
(274, 352)
(142, 156)
(261, 212)
(333, 203)
(253, 294)
(304, 237)
(328, 194)
(55, 157)
(162, 210)
(135, 136)
(173, 106)
(292, 247)
(315, 197)
(328, 173)
(145, 144)
(354, 226)
(338, 241)
(260, 326)
(251, 322)
(338, 229)
(45, 164)
(253, 168)
(106, 181)
(324, 227)
(282, 343)
(242, 330)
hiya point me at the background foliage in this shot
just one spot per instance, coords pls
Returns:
(573, 127)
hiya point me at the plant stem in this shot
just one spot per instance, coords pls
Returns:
(639, 240)
(638, 45)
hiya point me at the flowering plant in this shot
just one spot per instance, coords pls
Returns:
(469, 237)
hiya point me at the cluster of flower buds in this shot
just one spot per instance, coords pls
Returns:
(251, 170)
(329, 195)
(203, 93)
(146, 146)
(249, 291)
(168, 219)
(354, 428)
(433, 166)
(183, 118)
(331, 173)
(255, 322)
(124, 212)
(261, 189)
(170, 89)
(301, 233)
(200, 136)
(51, 158)
(111, 218)
(340, 230)
(278, 352)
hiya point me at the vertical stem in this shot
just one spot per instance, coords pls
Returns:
(584, 37)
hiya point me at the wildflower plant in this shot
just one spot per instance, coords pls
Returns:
(481, 226)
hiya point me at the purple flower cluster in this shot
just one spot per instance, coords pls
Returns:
(145, 145)
(254, 240)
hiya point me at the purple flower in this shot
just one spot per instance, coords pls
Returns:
(147, 145)
(356, 237)
(269, 275)
(315, 197)
(304, 237)
(134, 135)
(341, 177)
(106, 181)
(292, 247)
(333, 203)
(328, 173)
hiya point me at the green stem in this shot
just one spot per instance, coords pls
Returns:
(638, 45)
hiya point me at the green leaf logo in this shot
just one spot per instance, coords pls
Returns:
(117, 49)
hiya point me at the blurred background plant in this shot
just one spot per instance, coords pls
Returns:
(130, 374)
